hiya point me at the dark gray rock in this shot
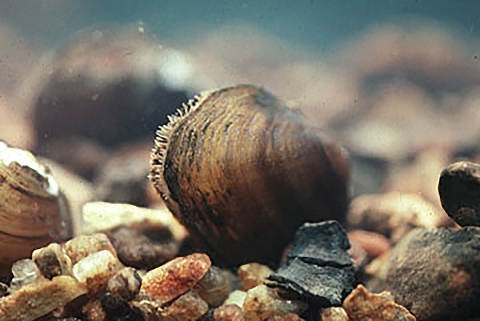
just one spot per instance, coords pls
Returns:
(436, 274)
(318, 266)
(459, 189)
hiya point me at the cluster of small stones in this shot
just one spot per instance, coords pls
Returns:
(429, 263)
(84, 274)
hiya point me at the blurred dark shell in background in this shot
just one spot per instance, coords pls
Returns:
(111, 85)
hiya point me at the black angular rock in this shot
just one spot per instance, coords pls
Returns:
(318, 266)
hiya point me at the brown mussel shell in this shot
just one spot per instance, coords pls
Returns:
(242, 171)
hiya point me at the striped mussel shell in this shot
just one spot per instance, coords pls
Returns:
(242, 170)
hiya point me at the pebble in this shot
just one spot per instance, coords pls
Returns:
(435, 274)
(52, 261)
(459, 189)
(263, 302)
(333, 314)
(237, 297)
(84, 245)
(228, 312)
(215, 286)
(40, 298)
(361, 305)
(25, 272)
(253, 274)
(175, 278)
(188, 307)
(121, 288)
(94, 270)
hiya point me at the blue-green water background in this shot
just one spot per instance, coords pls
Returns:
(315, 24)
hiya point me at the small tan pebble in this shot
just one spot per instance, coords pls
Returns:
(25, 272)
(84, 245)
(333, 314)
(392, 214)
(100, 217)
(143, 238)
(188, 307)
(287, 317)
(175, 278)
(143, 249)
(253, 274)
(52, 261)
(215, 286)
(236, 297)
(374, 244)
(362, 305)
(262, 302)
(149, 310)
(95, 270)
(229, 312)
(121, 288)
(94, 311)
(38, 299)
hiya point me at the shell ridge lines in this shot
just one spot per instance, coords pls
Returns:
(162, 141)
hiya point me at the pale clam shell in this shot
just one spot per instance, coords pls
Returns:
(33, 211)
